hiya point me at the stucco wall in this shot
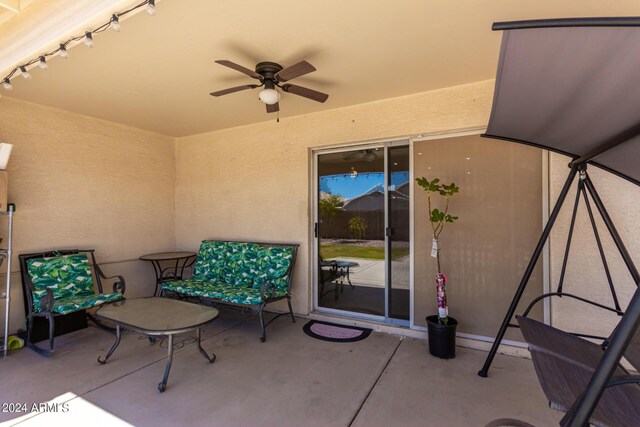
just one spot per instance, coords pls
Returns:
(79, 181)
(252, 182)
(83, 182)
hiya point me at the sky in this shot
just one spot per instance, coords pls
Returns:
(347, 187)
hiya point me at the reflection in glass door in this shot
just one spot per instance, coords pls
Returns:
(362, 231)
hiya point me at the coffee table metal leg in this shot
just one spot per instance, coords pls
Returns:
(113, 347)
(163, 385)
(204, 353)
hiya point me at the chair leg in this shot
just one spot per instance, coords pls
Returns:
(52, 330)
(293, 318)
(39, 350)
(263, 330)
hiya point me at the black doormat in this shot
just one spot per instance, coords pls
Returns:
(335, 333)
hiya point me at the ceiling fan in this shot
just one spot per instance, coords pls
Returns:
(364, 155)
(272, 75)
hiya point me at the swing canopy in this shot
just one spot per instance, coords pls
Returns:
(572, 86)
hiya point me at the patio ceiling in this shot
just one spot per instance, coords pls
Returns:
(157, 72)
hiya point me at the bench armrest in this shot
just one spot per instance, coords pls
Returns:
(118, 286)
(47, 301)
(267, 290)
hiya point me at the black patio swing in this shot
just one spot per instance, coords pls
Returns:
(570, 86)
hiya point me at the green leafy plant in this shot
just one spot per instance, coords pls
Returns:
(438, 219)
(358, 227)
(330, 205)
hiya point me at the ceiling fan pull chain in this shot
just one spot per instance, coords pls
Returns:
(278, 117)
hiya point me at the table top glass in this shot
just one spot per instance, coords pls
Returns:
(162, 256)
(347, 263)
(155, 315)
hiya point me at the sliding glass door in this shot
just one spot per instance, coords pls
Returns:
(362, 231)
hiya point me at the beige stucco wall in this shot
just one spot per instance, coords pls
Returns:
(79, 181)
(253, 182)
(83, 182)
(585, 274)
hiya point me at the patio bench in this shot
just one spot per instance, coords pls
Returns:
(245, 274)
(61, 282)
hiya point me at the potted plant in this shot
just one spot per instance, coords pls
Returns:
(441, 328)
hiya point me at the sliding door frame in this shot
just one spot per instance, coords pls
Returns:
(383, 144)
(545, 179)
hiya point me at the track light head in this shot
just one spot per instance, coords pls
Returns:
(115, 22)
(63, 51)
(42, 63)
(151, 7)
(88, 39)
(24, 73)
(6, 83)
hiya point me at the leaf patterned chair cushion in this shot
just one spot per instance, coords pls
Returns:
(70, 279)
(235, 271)
(241, 264)
(83, 302)
(219, 290)
(211, 260)
(274, 264)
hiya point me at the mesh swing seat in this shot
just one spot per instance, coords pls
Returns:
(565, 363)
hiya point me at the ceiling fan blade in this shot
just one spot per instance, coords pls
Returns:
(240, 68)
(272, 108)
(233, 89)
(355, 155)
(370, 156)
(296, 70)
(306, 92)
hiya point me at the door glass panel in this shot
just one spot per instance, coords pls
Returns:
(398, 241)
(485, 252)
(351, 231)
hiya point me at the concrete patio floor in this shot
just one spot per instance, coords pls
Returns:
(291, 380)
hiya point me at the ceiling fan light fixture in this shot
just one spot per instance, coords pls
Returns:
(269, 96)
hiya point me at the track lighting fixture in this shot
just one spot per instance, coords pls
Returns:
(63, 51)
(151, 7)
(88, 39)
(115, 23)
(24, 73)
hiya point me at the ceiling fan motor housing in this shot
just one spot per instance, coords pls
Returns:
(268, 70)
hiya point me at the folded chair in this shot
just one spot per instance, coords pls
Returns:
(57, 283)
(565, 363)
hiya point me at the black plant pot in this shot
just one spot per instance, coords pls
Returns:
(442, 337)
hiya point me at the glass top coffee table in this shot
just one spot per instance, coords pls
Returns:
(157, 317)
